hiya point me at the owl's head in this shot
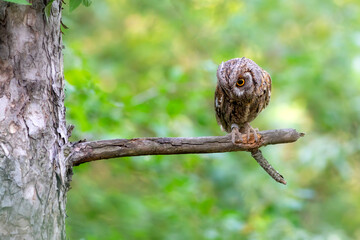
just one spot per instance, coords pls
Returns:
(239, 78)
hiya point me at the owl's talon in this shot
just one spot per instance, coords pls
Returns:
(235, 132)
(233, 137)
(254, 131)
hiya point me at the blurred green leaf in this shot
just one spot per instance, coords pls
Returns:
(73, 4)
(22, 2)
(87, 3)
(48, 9)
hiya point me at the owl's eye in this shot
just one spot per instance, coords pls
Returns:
(240, 82)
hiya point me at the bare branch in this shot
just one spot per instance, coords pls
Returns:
(257, 155)
(82, 152)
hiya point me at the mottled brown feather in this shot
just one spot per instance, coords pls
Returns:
(240, 105)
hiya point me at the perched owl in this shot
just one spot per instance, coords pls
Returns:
(243, 90)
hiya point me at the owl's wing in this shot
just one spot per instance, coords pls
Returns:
(263, 91)
(266, 87)
(219, 107)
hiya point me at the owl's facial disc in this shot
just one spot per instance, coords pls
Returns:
(248, 78)
(242, 84)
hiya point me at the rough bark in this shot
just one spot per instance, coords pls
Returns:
(33, 181)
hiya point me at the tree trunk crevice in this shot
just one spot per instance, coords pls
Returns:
(33, 175)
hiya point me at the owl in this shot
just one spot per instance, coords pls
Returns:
(243, 90)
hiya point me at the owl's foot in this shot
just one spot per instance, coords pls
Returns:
(250, 129)
(236, 137)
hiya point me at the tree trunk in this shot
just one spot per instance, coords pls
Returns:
(33, 175)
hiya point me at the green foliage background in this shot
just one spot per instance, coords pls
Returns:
(147, 68)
